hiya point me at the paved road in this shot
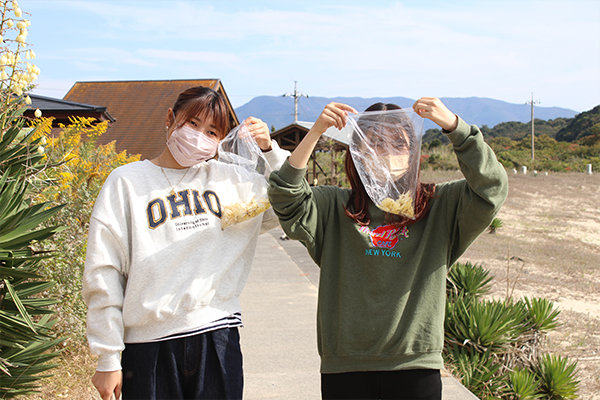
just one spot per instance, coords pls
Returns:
(279, 338)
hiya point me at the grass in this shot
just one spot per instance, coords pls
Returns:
(72, 377)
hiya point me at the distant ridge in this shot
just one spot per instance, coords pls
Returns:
(278, 111)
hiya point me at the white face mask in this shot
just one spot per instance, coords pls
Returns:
(190, 147)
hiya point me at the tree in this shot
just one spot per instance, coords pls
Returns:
(584, 124)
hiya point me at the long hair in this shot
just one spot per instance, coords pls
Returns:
(204, 103)
(357, 207)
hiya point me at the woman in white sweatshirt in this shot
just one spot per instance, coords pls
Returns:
(162, 279)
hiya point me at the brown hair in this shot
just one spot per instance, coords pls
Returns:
(205, 103)
(357, 207)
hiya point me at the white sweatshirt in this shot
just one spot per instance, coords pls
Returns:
(159, 264)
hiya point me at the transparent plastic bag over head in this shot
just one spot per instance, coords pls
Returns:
(386, 148)
(240, 149)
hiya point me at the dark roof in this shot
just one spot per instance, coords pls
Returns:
(290, 136)
(52, 105)
(139, 109)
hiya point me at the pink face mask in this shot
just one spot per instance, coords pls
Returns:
(190, 147)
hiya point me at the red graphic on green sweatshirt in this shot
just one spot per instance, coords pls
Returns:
(386, 236)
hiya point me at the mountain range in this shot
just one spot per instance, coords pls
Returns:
(278, 111)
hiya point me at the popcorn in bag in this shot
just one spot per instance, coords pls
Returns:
(240, 149)
(386, 147)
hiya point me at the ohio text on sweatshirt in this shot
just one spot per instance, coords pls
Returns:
(159, 264)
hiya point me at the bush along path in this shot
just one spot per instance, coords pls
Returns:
(26, 335)
(492, 346)
(27, 339)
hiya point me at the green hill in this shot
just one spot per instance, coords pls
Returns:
(582, 125)
(583, 128)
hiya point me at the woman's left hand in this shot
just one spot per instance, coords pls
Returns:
(260, 132)
(432, 108)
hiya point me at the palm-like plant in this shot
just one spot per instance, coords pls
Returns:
(557, 377)
(477, 371)
(541, 314)
(26, 338)
(523, 385)
(495, 225)
(483, 324)
(468, 279)
(493, 346)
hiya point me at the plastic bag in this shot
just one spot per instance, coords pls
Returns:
(386, 149)
(240, 149)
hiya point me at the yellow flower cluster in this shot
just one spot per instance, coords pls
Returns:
(239, 212)
(80, 163)
(16, 75)
(401, 206)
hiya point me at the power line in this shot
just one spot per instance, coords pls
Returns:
(532, 102)
(296, 95)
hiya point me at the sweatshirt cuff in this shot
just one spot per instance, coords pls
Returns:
(109, 362)
(276, 156)
(460, 134)
(292, 175)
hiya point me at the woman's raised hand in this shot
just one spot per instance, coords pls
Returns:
(432, 108)
(260, 132)
(334, 114)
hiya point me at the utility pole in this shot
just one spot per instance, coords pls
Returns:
(296, 95)
(532, 102)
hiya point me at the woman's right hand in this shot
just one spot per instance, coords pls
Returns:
(107, 383)
(334, 114)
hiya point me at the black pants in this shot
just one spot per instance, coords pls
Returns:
(422, 384)
(204, 366)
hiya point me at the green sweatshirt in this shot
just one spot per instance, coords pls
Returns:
(382, 291)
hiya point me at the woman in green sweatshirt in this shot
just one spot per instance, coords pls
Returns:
(380, 318)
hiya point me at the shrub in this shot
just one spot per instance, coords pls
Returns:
(468, 279)
(493, 346)
(81, 167)
(557, 377)
(523, 385)
(495, 225)
(26, 321)
(27, 337)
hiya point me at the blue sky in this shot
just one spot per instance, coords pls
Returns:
(499, 49)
